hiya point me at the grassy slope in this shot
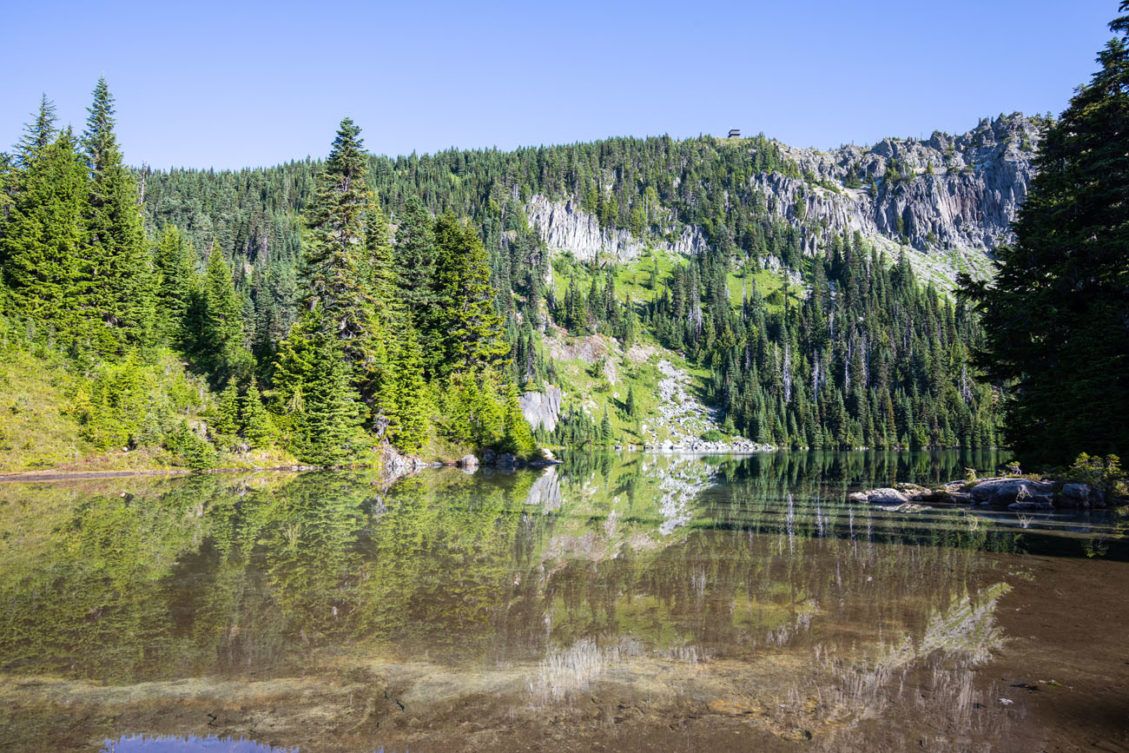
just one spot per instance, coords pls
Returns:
(35, 429)
(603, 382)
(38, 428)
(633, 279)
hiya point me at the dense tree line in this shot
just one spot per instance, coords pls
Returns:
(869, 358)
(353, 337)
(1057, 312)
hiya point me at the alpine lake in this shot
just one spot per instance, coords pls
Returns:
(630, 602)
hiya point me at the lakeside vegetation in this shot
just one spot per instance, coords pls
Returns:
(316, 311)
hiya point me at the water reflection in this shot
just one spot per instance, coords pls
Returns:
(656, 590)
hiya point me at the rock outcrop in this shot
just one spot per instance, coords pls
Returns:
(944, 192)
(1006, 491)
(542, 409)
(564, 226)
(1015, 493)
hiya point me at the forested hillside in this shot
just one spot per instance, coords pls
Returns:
(813, 332)
(147, 343)
(324, 308)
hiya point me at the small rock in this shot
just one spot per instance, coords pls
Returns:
(468, 463)
(886, 496)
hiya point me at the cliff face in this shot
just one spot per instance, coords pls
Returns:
(953, 198)
(564, 226)
(943, 193)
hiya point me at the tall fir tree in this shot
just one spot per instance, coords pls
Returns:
(43, 241)
(221, 348)
(117, 289)
(404, 400)
(346, 261)
(1056, 315)
(174, 266)
(38, 134)
(469, 332)
(415, 256)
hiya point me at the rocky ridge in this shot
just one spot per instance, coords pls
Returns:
(943, 192)
(951, 198)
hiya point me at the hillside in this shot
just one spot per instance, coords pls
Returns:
(662, 224)
(702, 294)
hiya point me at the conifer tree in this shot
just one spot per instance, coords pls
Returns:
(38, 134)
(469, 330)
(336, 265)
(1057, 316)
(221, 349)
(415, 256)
(403, 401)
(255, 423)
(174, 265)
(117, 286)
(42, 244)
(313, 394)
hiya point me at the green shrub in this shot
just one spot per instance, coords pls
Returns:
(191, 449)
(1105, 474)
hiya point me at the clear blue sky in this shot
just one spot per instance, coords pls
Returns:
(234, 84)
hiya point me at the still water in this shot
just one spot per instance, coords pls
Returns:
(612, 603)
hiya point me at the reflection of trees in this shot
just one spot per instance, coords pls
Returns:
(80, 583)
(445, 557)
(218, 574)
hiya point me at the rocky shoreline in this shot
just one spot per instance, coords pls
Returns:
(1015, 493)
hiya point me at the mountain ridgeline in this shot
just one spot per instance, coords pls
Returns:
(326, 307)
(811, 285)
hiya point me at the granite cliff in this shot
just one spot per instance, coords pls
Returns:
(950, 198)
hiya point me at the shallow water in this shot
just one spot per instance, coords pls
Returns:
(621, 603)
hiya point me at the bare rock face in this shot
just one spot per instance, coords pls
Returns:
(945, 192)
(564, 226)
(542, 409)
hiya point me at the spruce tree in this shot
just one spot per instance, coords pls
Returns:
(117, 285)
(221, 349)
(404, 401)
(336, 265)
(415, 256)
(174, 265)
(42, 244)
(1057, 316)
(313, 394)
(469, 331)
(38, 134)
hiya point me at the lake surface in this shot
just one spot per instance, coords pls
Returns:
(628, 603)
